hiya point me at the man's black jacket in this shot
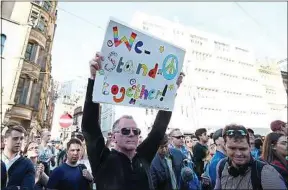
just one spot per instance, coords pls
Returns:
(113, 170)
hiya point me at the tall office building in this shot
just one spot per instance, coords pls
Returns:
(223, 84)
(29, 28)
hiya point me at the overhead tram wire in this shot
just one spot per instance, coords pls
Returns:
(258, 24)
(81, 18)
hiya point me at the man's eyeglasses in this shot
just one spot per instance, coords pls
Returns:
(127, 131)
(179, 137)
(235, 132)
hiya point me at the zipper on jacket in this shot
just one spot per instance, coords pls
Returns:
(131, 163)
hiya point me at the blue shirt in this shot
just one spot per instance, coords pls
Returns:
(213, 164)
(67, 177)
(255, 153)
(183, 149)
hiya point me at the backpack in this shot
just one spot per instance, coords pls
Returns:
(282, 172)
(206, 182)
(256, 169)
(190, 181)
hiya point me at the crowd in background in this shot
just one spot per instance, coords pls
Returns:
(183, 161)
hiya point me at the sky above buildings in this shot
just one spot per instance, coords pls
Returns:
(81, 27)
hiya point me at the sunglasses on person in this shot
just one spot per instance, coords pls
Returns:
(189, 141)
(127, 131)
(179, 137)
(235, 132)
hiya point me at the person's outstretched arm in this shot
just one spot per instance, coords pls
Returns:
(96, 150)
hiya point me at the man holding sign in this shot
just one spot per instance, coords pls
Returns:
(127, 166)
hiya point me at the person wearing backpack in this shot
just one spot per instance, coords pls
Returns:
(240, 170)
(210, 168)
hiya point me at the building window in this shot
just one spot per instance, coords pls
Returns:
(3, 39)
(42, 25)
(30, 53)
(22, 91)
(47, 6)
(33, 17)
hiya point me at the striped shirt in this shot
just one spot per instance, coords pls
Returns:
(270, 179)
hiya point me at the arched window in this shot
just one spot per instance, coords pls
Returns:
(3, 39)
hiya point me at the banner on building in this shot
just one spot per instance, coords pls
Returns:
(138, 69)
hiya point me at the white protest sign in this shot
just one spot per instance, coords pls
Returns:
(138, 69)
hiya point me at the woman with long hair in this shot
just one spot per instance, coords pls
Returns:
(275, 151)
(190, 142)
(31, 152)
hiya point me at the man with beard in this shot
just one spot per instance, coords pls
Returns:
(126, 167)
(240, 170)
(20, 170)
(70, 175)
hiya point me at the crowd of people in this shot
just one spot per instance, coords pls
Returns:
(232, 157)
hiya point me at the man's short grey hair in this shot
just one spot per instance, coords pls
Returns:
(173, 131)
(116, 123)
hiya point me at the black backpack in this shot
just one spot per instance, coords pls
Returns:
(256, 169)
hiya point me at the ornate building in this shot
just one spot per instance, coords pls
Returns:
(33, 99)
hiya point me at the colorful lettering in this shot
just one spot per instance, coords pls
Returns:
(105, 87)
(151, 93)
(117, 42)
(137, 92)
(114, 89)
(120, 63)
(144, 67)
(138, 44)
(152, 72)
(129, 92)
(119, 100)
(144, 92)
(128, 67)
(111, 64)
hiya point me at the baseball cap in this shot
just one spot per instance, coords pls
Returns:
(217, 134)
